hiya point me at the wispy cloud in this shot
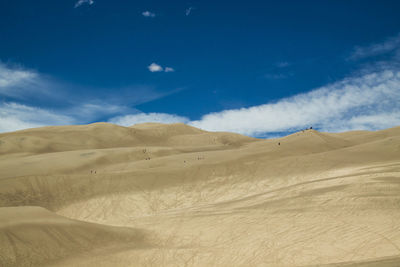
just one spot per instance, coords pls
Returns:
(371, 101)
(129, 120)
(81, 2)
(389, 45)
(283, 64)
(14, 116)
(10, 77)
(277, 76)
(31, 99)
(86, 112)
(154, 67)
(189, 10)
(366, 102)
(148, 14)
(168, 69)
(20, 83)
(279, 71)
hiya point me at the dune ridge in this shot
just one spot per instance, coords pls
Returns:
(174, 195)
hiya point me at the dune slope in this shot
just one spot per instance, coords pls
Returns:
(174, 195)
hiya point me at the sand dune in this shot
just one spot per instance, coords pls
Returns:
(174, 195)
(35, 236)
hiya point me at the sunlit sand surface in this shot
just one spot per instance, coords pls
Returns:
(173, 195)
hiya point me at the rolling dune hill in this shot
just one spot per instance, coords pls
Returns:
(173, 195)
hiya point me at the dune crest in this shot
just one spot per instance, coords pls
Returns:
(175, 195)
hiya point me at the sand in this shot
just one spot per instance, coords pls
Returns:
(173, 195)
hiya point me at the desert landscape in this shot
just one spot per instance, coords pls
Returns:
(174, 195)
(199, 133)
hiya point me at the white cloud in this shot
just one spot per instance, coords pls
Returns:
(188, 10)
(14, 116)
(17, 82)
(29, 85)
(154, 67)
(12, 77)
(148, 14)
(20, 87)
(367, 102)
(372, 121)
(389, 45)
(129, 120)
(81, 2)
(370, 102)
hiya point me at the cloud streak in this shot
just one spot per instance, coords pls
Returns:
(189, 10)
(14, 116)
(13, 80)
(371, 101)
(366, 102)
(20, 83)
(13, 77)
(389, 45)
(169, 69)
(81, 2)
(31, 99)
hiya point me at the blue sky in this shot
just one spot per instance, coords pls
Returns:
(260, 68)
